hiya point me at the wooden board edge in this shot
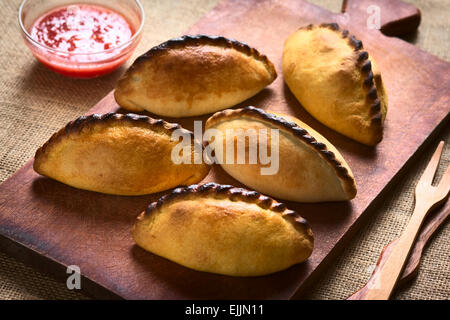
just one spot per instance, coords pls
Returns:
(53, 268)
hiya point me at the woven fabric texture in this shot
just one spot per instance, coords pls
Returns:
(35, 102)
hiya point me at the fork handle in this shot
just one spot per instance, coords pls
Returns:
(412, 265)
(382, 286)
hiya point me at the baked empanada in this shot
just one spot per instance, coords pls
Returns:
(336, 82)
(194, 75)
(225, 230)
(117, 154)
(310, 168)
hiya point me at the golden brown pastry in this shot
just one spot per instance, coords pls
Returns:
(116, 154)
(223, 229)
(310, 168)
(336, 82)
(194, 75)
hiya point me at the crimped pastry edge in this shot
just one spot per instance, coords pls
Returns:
(365, 66)
(214, 190)
(202, 39)
(295, 130)
(77, 125)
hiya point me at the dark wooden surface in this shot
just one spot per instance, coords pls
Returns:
(91, 230)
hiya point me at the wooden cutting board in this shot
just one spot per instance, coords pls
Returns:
(51, 225)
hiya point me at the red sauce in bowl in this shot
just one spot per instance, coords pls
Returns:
(83, 40)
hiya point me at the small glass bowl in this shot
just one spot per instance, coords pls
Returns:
(81, 65)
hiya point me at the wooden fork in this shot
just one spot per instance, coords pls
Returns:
(427, 197)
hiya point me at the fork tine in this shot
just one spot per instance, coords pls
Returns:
(444, 185)
(430, 170)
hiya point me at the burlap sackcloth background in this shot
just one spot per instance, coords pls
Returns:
(35, 102)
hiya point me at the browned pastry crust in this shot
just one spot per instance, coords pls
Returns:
(372, 86)
(116, 154)
(223, 229)
(194, 75)
(296, 131)
(222, 191)
(82, 123)
(365, 66)
(197, 40)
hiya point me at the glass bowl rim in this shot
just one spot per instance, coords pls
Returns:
(123, 45)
